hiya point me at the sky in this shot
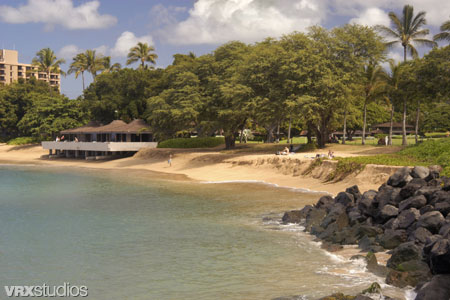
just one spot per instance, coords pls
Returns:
(112, 27)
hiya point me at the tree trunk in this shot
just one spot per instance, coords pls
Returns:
(289, 131)
(242, 133)
(417, 121)
(270, 135)
(82, 79)
(308, 134)
(404, 141)
(229, 141)
(278, 132)
(345, 126)
(391, 125)
(363, 140)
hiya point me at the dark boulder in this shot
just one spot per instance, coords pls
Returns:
(387, 212)
(400, 178)
(445, 231)
(401, 279)
(419, 236)
(440, 196)
(420, 172)
(416, 202)
(432, 221)
(438, 288)
(345, 199)
(429, 243)
(366, 204)
(392, 238)
(296, 216)
(370, 231)
(443, 208)
(427, 191)
(406, 218)
(355, 216)
(334, 213)
(354, 190)
(412, 187)
(435, 170)
(384, 196)
(426, 208)
(373, 266)
(325, 202)
(439, 257)
(365, 243)
(314, 218)
(446, 184)
(404, 252)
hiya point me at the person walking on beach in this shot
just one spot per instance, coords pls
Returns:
(170, 160)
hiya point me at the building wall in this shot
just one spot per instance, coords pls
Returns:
(11, 70)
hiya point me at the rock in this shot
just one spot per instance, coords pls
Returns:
(325, 202)
(419, 236)
(365, 243)
(412, 187)
(407, 217)
(316, 230)
(354, 190)
(446, 185)
(384, 196)
(435, 170)
(334, 213)
(432, 221)
(445, 231)
(435, 182)
(296, 216)
(400, 279)
(429, 243)
(443, 208)
(420, 172)
(362, 297)
(416, 202)
(427, 191)
(365, 205)
(338, 296)
(438, 288)
(374, 288)
(373, 266)
(400, 178)
(355, 216)
(387, 212)
(370, 231)
(439, 257)
(392, 238)
(345, 199)
(404, 252)
(314, 218)
(426, 209)
(440, 196)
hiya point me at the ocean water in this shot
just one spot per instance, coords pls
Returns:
(134, 236)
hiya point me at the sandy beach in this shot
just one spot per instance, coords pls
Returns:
(220, 166)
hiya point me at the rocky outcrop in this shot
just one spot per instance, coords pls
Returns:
(409, 214)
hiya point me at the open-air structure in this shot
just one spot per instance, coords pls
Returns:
(95, 140)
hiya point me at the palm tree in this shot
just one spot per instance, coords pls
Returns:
(94, 62)
(79, 66)
(142, 52)
(392, 80)
(407, 31)
(108, 68)
(444, 35)
(373, 87)
(46, 61)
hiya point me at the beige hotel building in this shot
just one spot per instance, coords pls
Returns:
(11, 70)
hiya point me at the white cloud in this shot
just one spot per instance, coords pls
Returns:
(102, 50)
(58, 13)
(218, 21)
(162, 15)
(128, 40)
(68, 52)
(371, 17)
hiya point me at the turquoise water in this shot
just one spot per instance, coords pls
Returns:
(127, 236)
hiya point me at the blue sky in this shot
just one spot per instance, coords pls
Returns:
(179, 26)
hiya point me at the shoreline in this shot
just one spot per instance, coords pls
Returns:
(213, 167)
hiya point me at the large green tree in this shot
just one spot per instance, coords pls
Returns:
(46, 61)
(79, 66)
(444, 35)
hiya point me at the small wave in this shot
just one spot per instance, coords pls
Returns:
(301, 190)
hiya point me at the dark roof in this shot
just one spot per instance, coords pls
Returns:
(116, 126)
(388, 124)
(92, 125)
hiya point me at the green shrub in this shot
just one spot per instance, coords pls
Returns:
(208, 142)
(24, 140)
(314, 164)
